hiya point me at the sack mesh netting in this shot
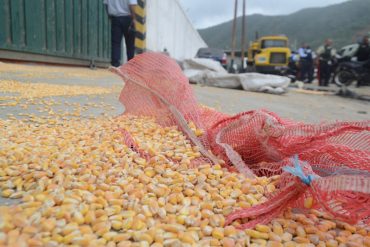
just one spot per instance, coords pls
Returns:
(334, 158)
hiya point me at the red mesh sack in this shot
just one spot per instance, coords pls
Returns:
(258, 142)
(262, 137)
(345, 194)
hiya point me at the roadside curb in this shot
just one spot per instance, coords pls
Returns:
(345, 92)
(342, 92)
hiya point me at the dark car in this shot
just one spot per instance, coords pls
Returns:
(214, 54)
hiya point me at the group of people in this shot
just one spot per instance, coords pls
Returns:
(306, 59)
(325, 57)
(122, 16)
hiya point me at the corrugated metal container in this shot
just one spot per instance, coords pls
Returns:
(60, 31)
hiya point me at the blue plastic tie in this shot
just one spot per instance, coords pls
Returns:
(298, 171)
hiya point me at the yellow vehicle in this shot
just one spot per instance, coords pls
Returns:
(269, 54)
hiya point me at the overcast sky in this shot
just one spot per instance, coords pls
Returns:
(206, 13)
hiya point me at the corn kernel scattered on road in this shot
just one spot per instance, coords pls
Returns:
(39, 90)
(80, 185)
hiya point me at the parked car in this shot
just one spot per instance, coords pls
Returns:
(214, 54)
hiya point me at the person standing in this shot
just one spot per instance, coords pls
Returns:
(326, 54)
(293, 64)
(363, 55)
(302, 62)
(122, 16)
(311, 65)
(305, 63)
(363, 52)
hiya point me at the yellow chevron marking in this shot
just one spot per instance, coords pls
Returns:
(140, 27)
(140, 11)
(140, 43)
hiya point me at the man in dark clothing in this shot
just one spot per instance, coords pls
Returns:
(311, 64)
(363, 55)
(122, 15)
(293, 64)
(303, 69)
(326, 54)
(305, 63)
(363, 52)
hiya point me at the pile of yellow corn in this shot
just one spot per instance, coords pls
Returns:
(39, 90)
(22, 71)
(79, 185)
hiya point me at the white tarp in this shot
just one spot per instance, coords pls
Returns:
(210, 73)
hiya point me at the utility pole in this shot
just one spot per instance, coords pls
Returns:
(243, 35)
(233, 36)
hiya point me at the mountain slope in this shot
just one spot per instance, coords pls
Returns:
(341, 22)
